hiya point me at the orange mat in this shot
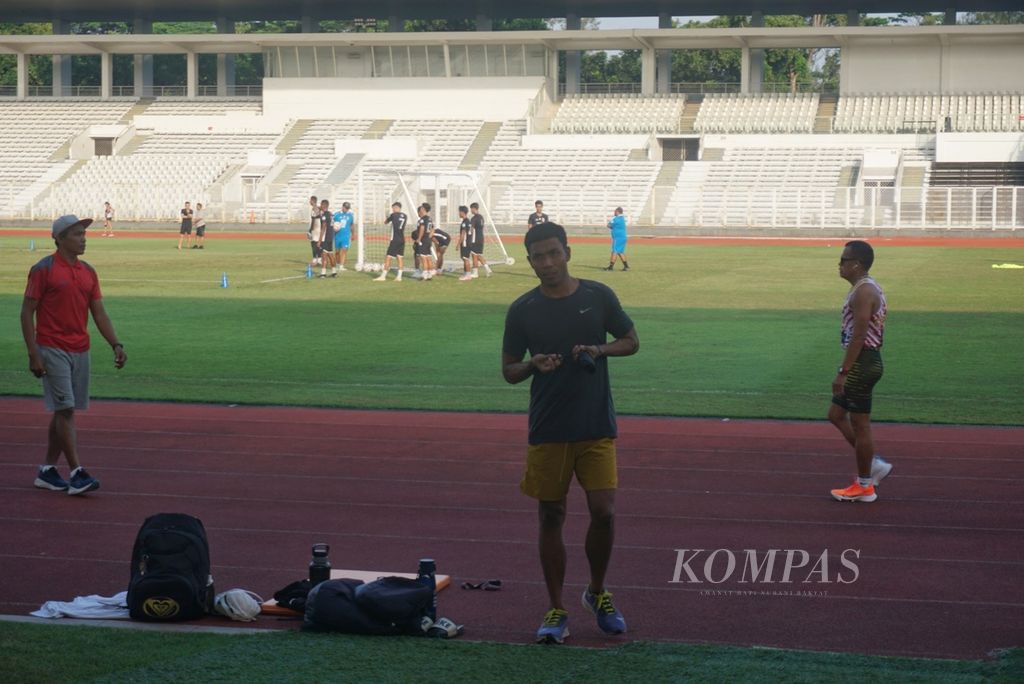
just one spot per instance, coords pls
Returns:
(271, 608)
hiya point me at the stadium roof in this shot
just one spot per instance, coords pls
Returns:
(199, 10)
(625, 39)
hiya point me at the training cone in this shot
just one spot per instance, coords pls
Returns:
(309, 270)
(31, 245)
(224, 279)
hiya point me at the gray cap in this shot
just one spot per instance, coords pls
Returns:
(68, 221)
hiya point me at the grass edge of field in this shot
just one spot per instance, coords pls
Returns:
(165, 655)
(391, 409)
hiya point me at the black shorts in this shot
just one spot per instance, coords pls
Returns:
(186, 228)
(421, 249)
(860, 381)
(201, 230)
(443, 242)
(477, 248)
(396, 248)
(466, 252)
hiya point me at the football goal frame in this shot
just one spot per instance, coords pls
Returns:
(445, 190)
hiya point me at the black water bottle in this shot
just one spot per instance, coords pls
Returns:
(425, 575)
(320, 566)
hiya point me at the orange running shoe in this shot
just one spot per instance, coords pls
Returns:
(855, 492)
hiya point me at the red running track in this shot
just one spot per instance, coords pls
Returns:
(936, 562)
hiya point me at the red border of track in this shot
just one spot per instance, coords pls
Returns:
(940, 559)
(1002, 242)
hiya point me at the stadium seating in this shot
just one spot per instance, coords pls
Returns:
(909, 113)
(741, 179)
(757, 113)
(204, 107)
(32, 131)
(750, 185)
(154, 186)
(619, 113)
(578, 185)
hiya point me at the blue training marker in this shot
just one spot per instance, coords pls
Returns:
(224, 279)
(31, 245)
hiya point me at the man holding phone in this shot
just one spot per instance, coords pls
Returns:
(564, 324)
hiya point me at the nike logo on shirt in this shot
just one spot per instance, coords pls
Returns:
(583, 311)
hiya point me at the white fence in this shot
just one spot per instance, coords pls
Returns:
(970, 208)
(960, 208)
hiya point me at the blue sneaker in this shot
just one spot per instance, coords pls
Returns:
(82, 482)
(609, 619)
(555, 627)
(49, 478)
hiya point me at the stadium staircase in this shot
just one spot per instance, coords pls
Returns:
(826, 113)
(292, 136)
(679, 210)
(848, 176)
(139, 107)
(912, 179)
(689, 115)
(378, 129)
(344, 168)
(478, 148)
(132, 145)
(39, 190)
(665, 184)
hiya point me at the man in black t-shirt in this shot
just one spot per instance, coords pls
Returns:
(465, 243)
(564, 325)
(477, 221)
(396, 248)
(441, 240)
(186, 225)
(422, 241)
(537, 217)
(326, 243)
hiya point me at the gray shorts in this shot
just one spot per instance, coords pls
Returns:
(66, 383)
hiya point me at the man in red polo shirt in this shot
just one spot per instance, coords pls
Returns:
(61, 291)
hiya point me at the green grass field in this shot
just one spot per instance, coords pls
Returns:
(740, 331)
(47, 654)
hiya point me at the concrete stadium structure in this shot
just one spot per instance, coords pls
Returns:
(917, 107)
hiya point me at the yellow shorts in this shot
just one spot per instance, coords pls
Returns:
(550, 466)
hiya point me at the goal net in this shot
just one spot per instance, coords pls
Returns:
(445, 191)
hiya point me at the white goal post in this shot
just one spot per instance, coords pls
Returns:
(378, 188)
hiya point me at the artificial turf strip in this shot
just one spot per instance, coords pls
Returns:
(739, 331)
(56, 653)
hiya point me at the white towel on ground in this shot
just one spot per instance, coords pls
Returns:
(94, 607)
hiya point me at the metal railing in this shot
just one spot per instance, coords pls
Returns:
(991, 208)
(960, 208)
(702, 88)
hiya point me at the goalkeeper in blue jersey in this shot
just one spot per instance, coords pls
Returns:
(617, 225)
(342, 234)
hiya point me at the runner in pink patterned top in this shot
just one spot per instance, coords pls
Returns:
(876, 323)
(861, 333)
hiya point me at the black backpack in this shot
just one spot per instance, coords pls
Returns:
(389, 606)
(170, 573)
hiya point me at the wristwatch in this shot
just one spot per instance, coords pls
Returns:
(843, 371)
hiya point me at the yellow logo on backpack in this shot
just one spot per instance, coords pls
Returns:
(160, 607)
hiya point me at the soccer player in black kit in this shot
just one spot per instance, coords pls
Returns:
(396, 248)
